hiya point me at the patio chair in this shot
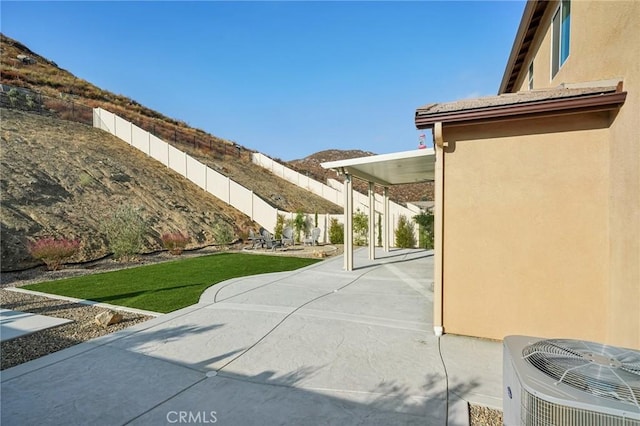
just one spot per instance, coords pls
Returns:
(256, 240)
(287, 236)
(313, 238)
(270, 242)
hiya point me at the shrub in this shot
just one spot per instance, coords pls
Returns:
(300, 224)
(175, 242)
(53, 252)
(85, 179)
(426, 231)
(404, 233)
(336, 232)
(125, 232)
(360, 228)
(279, 227)
(222, 232)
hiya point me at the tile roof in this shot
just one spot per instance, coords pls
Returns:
(581, 97)
(512, 99)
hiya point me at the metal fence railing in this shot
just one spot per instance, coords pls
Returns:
(64, 107)
(67, 107)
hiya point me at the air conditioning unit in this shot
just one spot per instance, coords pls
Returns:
(567, 382)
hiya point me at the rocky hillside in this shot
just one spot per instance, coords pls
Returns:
(62, 178)
(59, 93)
(66, 179)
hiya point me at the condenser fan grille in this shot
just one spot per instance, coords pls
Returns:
(598, 369)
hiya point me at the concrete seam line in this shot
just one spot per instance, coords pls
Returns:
(290, 314)
(235, 280)
(166, 400)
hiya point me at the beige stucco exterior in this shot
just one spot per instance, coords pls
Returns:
(525, 228)
(541, 216)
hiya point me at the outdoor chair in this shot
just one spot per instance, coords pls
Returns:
(287, 236)
(256, 240)
(270, 242)
(313, 238)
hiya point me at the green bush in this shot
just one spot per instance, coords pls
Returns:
(300, 224)
(336, 231)
(125, 232)
(360, 228)
(52, 252)
(426, 230)
(404, 233)
(277, 232)
(222, 232)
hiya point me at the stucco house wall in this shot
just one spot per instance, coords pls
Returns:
(539, 218)
(526, 228)
(605, 45)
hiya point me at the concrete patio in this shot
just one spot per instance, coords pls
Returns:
(315, 346)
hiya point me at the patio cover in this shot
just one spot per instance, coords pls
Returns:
(385, 170)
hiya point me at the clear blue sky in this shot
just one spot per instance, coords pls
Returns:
(285, 78)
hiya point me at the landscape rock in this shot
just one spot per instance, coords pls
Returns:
(107, 318)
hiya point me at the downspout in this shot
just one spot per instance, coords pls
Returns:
(438, 301)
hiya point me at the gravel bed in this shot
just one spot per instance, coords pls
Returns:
(38, 344)
(484, 416)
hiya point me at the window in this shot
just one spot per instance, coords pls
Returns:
(561, 26)
(531, 76)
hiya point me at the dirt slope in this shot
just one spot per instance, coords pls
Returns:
(63, 179)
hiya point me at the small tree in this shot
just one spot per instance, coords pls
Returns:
(125, 231)
(277, 232)
(53, 252)
(426, 230)
(404, 233)
(336, 231)
(360, 228)
(300, 224)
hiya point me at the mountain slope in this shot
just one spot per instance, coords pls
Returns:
(73, 98)
(61, 178)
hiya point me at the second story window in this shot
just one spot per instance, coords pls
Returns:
(561, 26)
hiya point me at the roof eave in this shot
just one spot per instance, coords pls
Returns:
(596, 102)
(526, 30)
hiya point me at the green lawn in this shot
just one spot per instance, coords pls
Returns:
(168, 286)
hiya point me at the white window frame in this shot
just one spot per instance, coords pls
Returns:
(556, 38)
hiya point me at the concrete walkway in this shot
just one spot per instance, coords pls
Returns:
(15, 324)
(317, 346)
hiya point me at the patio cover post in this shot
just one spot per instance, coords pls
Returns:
(348, 223)
(372, 222)
(386, 223)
